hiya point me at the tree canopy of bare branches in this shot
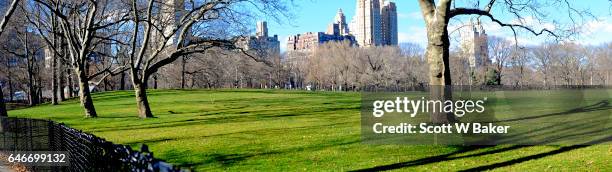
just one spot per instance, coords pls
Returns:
(3, 23)
(437, 15)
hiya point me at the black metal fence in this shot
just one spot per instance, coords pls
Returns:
(86, 152)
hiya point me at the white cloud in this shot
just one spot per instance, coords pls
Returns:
(414, 34)
(412, 16)
(597, 32)
(595, 26)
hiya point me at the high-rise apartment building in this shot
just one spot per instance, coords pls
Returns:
(311, 40)
(375, 23)
(168, 15)
(337, 31)
(474, 43)
(261, 43)
(262, 29)
(366, 25)
(389, 23)
(339, 25)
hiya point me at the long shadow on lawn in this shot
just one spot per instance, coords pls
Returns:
(603, 105)
(236, 116)
(447, 157)
(233, 158)
(257, 131)
(537, 156)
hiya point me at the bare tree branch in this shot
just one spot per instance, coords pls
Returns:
(7, 15)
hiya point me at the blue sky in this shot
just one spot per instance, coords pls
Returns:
(315, 15)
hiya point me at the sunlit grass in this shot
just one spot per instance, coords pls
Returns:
(246, 130)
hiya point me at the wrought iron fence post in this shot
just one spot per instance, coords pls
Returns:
(51, 135)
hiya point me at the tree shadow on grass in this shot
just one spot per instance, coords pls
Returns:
(449, 157)
(256, 131)
(603, 105)
(229, 116)
(537, 156)
(441, 158)
(229, 159)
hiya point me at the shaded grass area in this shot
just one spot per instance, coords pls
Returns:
(268, 130)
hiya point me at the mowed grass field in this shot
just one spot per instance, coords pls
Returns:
(275, 130)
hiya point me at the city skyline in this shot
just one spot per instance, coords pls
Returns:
(374, 24)
(314, 15)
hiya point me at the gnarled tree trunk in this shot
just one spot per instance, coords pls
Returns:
(439, 70)
(437, 54)
(85, 94)
(144, 111)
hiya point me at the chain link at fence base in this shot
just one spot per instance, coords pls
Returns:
(86, 152)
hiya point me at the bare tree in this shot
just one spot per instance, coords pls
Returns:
(3, 23)
(602, 62)
(165, 38)
(543, 55)
(7, 15)
(45, 23)
(81, 22)
(500, 50)
(520, 69)
(27, 46)
(437, 15)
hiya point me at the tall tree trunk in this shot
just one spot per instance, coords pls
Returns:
(439, 70)
(122, 82)
(54, 80)
(607, 77)
(85, 94)
(70, 84)
(10, 80)
(144, 111)
(154, 81)
(2, 105)
(499, 77)
(32, 92)
(60, 83)
(183, 64)
(11, 92)
(39, 94)
(61, 69)
(33, 97)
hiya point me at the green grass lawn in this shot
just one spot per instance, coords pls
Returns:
(246, 130)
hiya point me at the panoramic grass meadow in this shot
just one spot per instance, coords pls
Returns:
(264, 130)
